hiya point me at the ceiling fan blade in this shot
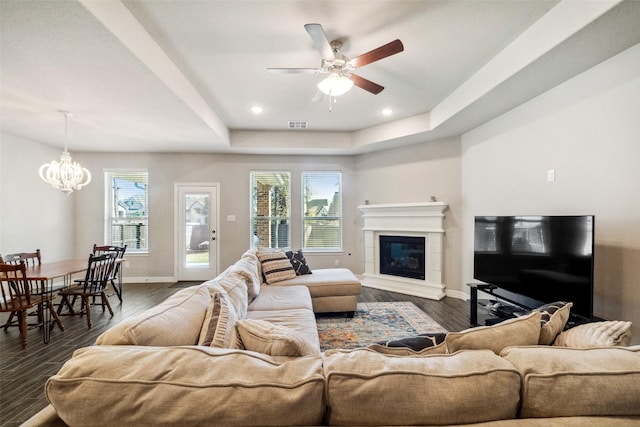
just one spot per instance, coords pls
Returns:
(365, 84)
(377, 54)
(294, 70)
(320, 40)
(319, 96)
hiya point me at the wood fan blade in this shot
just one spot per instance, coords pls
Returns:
(377, 54)
(320, 40)
(365, 84)
(294, 70)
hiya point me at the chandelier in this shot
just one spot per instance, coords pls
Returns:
(65, 175)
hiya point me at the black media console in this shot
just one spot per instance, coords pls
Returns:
(487, 312)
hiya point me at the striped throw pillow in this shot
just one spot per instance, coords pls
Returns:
(275, 266)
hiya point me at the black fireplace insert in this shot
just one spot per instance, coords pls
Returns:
(402, 256)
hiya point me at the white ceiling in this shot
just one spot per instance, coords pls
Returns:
(182, 76)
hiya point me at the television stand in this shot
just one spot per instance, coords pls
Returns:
(492, 311)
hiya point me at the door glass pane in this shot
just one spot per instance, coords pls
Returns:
(197, 229)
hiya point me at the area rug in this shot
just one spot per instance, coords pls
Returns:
(373, 322)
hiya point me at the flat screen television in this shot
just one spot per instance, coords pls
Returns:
(540, 258)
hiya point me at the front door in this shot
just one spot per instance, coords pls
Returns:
(196, 229)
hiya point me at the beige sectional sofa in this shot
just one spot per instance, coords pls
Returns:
(236, 352)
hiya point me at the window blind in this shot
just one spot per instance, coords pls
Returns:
(322, 210)
(127, 209)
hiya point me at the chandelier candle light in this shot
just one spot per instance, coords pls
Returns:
(65, 175)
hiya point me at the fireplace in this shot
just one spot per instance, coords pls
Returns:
(409, 225)
(402, 256)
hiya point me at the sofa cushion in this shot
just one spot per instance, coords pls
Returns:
(553, 318)
(368, 388)
(523, 330)
(597, 334)
(252, 253)
(275, 340)
(282, 298)
(561, 382)
(299, 262)
(186, 386)
(301, 320)
(419, 345)
(247, 268)
(158, 325)
(327, 282)
(235, 286)
(275, 266)
(219, 325)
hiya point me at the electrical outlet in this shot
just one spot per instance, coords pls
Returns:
(337, 262)
(551, 175)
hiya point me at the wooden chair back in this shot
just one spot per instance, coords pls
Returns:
(99, 272)
(15, 293)
(29, 258)
(117, 250)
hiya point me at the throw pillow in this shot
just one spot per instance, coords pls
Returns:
(298, 262)
(275, 266)
(554, 317)
(598, 334)
(218, 329)
(419, 345)
(523, 330)
(274, 340)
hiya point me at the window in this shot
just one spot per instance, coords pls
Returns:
(126, 209)
(270, 209)
(322, 210)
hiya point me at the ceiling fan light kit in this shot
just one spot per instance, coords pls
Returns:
(335, 85)
(341, 78)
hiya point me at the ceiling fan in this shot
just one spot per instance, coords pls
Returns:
(340, 68)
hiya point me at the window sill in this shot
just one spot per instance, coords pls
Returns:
(320, 252)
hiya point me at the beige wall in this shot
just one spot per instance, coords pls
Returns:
(588, 130)
(413, 174)
(232, 173)
(32, 214)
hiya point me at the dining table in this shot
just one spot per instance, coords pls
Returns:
(47, 273)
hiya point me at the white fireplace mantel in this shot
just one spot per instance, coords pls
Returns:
(405, 219)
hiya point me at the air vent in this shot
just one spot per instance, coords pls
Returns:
(297, 124)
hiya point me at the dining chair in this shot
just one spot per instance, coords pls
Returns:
(119, 251)
(16, 296)
(99, 273)
(30, 259)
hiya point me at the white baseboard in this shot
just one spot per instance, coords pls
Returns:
(457, 294)
(148, 279)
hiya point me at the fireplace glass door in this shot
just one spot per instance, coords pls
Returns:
(402, 256)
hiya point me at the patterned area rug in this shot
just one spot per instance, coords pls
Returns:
(373, 322)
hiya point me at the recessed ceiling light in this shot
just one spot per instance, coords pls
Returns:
(387, 112)
(256, 109)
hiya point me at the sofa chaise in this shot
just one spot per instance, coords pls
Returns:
(236, 351)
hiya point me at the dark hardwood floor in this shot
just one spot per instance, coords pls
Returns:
(23, 373)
